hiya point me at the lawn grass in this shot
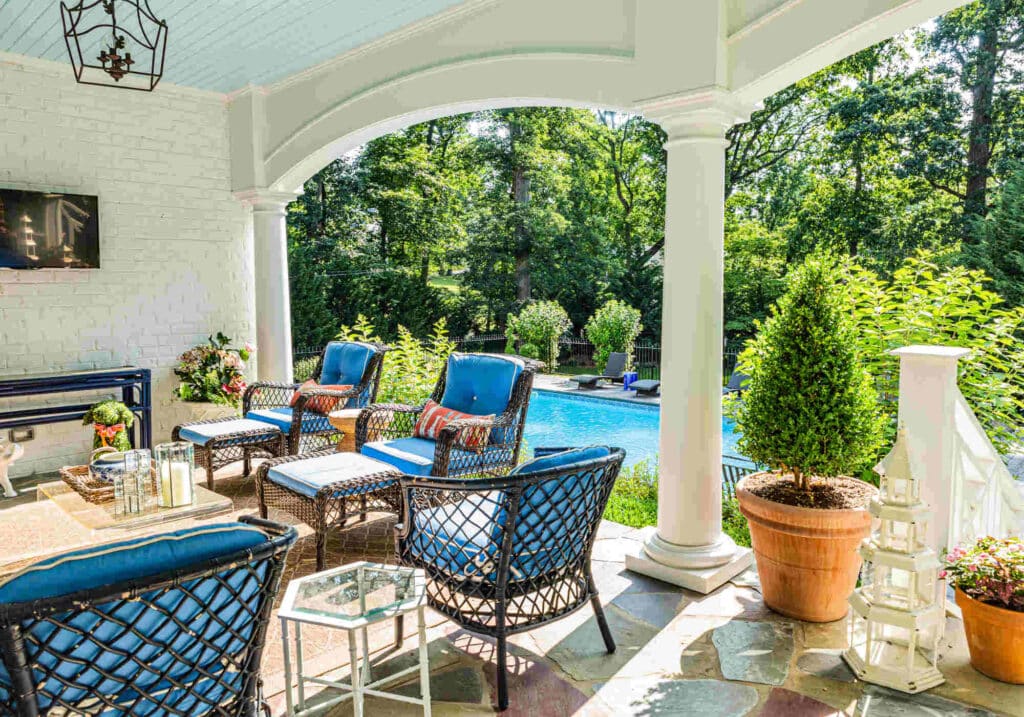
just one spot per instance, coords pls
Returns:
(634, 502)
(448, 283)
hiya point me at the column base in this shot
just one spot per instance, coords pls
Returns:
(702, 569)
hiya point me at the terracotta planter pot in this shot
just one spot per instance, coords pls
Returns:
(807, 558)
(995, 638)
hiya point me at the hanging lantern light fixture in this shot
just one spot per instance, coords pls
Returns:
(103, 35)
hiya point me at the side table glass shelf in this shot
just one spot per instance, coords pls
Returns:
(352, 598)
(102, 516)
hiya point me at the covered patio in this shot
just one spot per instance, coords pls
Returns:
(193, 181)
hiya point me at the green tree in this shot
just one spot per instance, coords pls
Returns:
(811, 409)
(614, 327)
(999, 247)
(540, 324)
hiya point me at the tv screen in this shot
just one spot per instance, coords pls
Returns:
(46, 230)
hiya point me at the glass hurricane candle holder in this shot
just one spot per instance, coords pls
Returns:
(131, 488)
(175, 465)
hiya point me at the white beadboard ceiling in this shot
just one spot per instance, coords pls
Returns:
(223, 45)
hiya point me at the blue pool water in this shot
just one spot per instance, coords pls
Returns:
(561, 419)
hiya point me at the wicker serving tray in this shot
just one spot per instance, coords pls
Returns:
(93, 490)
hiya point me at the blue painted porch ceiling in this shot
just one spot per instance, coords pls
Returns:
(223, 45)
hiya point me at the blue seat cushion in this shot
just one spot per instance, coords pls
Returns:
(345, 362)
(480, 384)
(415, 456)
(201, 433)
(412, 456)
(282, 418)
(107, 564)
(460, 539)
(309, 475)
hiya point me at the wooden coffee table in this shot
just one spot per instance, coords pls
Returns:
(345, 421)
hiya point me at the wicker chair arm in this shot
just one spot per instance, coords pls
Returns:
(267, 394)
(378, 422)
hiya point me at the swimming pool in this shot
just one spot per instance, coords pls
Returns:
(568, 419)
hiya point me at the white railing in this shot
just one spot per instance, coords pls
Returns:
(985, 497)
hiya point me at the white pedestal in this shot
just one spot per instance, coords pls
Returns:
(702, 580)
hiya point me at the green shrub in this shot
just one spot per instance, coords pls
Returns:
(412, 366)
(614, 327)
(540, 323)
(927, 304)
(811, 408)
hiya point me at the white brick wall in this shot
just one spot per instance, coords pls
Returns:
(176, 260)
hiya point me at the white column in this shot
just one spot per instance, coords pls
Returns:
(688, 547)
(273, 302)
(928, 393)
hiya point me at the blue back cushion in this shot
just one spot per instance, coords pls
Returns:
(549, 535)
(345, 362)
(204, 624)
(480, 384)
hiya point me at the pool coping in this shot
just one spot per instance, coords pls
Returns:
(560, 383)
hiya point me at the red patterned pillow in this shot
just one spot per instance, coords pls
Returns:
(319, 404)
(435, 417)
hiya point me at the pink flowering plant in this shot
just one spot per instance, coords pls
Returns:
(213, 372)
(990, 571)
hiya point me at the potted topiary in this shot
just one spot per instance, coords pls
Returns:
(989, 581)
(810, 414)
(110, 423)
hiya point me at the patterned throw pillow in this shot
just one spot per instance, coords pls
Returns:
(435, 417)
(319, 404)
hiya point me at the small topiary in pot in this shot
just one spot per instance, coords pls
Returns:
(810, 414)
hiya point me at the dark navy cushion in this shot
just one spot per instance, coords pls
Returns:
(345, 362)
(107, 564)
(282, 418)
(309, 475)
(480, 384)
(561, 460)
(201, 433)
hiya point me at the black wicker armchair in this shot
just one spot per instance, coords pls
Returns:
(172, 624)
(480, 384)
(342, 363)
(506, 555)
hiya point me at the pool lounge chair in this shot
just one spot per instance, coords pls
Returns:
(647, 387)
(613, 370)
(737, 383)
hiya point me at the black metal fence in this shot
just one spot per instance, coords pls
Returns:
(574, 352)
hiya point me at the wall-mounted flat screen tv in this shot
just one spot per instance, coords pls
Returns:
(46, 230)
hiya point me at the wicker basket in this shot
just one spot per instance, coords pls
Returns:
(92, 489)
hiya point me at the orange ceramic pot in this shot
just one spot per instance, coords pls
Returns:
(995, 638)
(807, 558)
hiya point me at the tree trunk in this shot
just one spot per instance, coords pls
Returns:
(979, 150)
(521, 197)
(321, 189)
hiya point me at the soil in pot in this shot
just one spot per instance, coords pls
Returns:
(805, 542)
(995, 639)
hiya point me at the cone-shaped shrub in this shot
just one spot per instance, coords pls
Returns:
(811, 405)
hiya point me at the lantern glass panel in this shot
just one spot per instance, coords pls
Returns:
(895, 588)
(175, 466)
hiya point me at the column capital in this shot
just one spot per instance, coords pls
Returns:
(266, 200)
(701, 116)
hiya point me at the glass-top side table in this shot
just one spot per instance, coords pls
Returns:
(352, 598)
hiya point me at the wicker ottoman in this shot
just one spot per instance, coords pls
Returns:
(221, 441)
(317, 488)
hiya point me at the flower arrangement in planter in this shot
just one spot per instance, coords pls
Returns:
(110, 423)
(810, 414)
(989, 581)
(213, 372)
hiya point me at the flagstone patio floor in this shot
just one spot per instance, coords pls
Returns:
(679, 652)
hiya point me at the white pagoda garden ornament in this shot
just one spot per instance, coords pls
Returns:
(899, 610)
